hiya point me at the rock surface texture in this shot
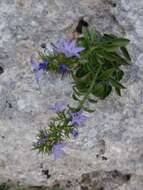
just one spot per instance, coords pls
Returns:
(109, 151)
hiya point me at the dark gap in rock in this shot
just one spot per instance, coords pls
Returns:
(84, 188)
(115, 173)
(9, 104)
(43, 45)
(101, 188)
(104, 158)
(46, 172)
(85, 178)
(69, 182)
(127, 177)
(80, 26)
(68, 185)
(35, 187)
(76, 180)
(97, 155)
(114, 5)
(1, 70)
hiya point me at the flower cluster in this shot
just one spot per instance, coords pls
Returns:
(94, 62)
(66, 47)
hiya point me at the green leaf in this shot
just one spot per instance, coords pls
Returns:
(109, 48)
(92, 100)
(112, 57)
(88, 110)
(107, 90)
(118, 91)
(118, 42)
(81, 72)
(116, 84)
(76, 91)
(125, 53)
(109, 36)
(106, 74)
(118, 74)
(98, 90)
(75, 97)
(106, 55)
(102, 90)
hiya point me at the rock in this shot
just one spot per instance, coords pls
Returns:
(112, 139)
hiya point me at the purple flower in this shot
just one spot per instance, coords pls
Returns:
(38, 68)
(42, 140)
(75, 133)
(68, 48)
(58, 107)
(34, 62)
(39, 142)
(57, 150)
(38, 75)
(78, 118)
(64, 69)
(45, 135)
(43, 66)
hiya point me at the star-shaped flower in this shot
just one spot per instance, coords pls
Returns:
(68, 48)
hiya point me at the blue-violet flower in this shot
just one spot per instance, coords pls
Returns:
(42, 140)
(57, 150)
(78, 118)
(58, 107)
(68, 48)
(43, 65)
(64, 69)
(38, 68)
(75, 133)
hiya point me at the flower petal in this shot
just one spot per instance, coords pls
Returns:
(58, 107)
(57, 150)
(38, 74)
(33, 62)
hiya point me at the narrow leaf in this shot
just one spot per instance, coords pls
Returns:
(106, 74)
(117, 84)
(118, 91)
(125, 53)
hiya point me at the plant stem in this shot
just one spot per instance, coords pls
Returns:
(90, 88)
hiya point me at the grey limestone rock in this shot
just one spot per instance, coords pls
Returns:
(112, 139)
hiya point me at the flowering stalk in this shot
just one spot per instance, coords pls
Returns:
(63, 127)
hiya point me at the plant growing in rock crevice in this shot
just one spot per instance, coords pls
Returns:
(94, 62)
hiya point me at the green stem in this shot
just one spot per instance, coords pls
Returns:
(90, 88)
